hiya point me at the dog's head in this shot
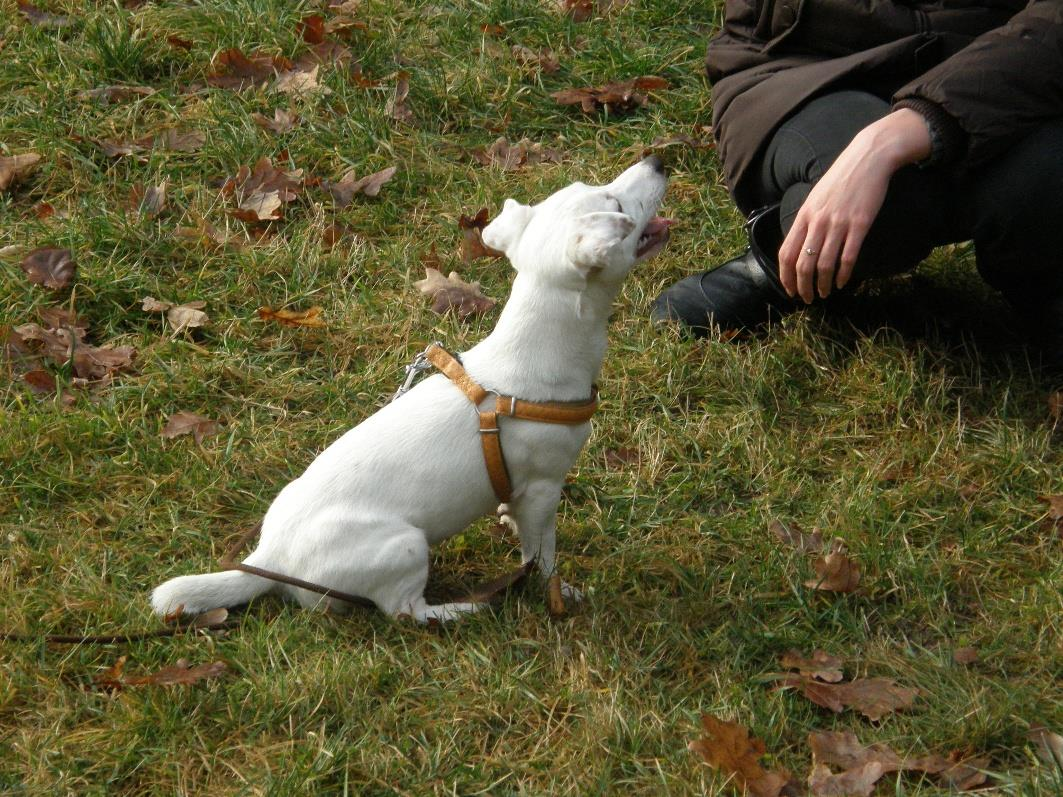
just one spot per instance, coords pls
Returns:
(586, 233)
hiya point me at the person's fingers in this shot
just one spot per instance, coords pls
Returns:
(806, 264)
(853, 241)
(828, 261)
(789, 255)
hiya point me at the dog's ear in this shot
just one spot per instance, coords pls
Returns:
(507, 226)
(596, 238)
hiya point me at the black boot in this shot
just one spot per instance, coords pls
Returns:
(741, 294)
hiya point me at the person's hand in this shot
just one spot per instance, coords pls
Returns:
(822, 246)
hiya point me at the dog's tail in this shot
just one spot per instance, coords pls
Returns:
(197, 594)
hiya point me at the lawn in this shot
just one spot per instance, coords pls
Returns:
(908, 422)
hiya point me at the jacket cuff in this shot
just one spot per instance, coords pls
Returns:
(948, 141)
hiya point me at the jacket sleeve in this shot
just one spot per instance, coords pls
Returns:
(843, 27)
(1002, 85)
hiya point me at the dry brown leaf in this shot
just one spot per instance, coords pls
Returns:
(473, 245)
(181, 673)
(510, 157)
(1055, 507)
(259, 206)
(45, 210)
(43, 383)
(311, 28)
(1055, 403)
(149, 201)
(187, 316)
(451, 293)
(206, 233)
(43, 19)
(835, 572)
(792, 535)
(107, 94)
(344, 191)
(294, 318)
(544, 60)
(872, 697)
(53, 268)
(397, 107)
(578, 10)
(16, 168)
(1049, 746)
(619, 97)
(63, 318)
(102, 362)
(619, 458)
(179, 44)
(333, 234)
(966, 655)
(282, 122)
(729, 748)
(174, 141)
(299, 82)
(555, 601)
(682, 140)
(844, 750)
(489, 591)
(232, 69)
(857, 782)
(198, 426)
(820, 665)
(66, 343)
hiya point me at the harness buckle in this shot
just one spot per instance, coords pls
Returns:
(417, 365)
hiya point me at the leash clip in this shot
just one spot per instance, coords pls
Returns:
(417, 365)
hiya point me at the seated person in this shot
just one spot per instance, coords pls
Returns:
(857, 135)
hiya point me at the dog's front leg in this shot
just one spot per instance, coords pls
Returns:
(535, 512)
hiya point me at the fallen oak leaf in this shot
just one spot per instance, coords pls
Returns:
(231, 69)
(857, 782)
(187, 316)
(199, 426)
(16, 168)
(452, 293)
(729, 748)
(43, 19)
(181, 673)
(259, 206)
(179, 44)
(510, 157)
(835, 572)
(543, 60)
(620, 97)
(108, 94)
(294, 318)
(872, 697)
(966, 655)
(473, 245)
(1049, 746)
(42, 383)
(344, 191)
(299, 81)
(964, 774)
(54, 268)
(282, 122)
(618, 458)
(149, 201)
(311, 29)
(174, 141)
(792, 535)
(578, 10)
(820, 665)
(397, 107)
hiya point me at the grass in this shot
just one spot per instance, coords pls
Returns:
(923, 443)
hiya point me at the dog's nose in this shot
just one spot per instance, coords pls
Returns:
(655, 163)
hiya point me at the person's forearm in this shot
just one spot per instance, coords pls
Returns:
(898, 139)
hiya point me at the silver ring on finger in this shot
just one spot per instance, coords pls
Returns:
(811, 252)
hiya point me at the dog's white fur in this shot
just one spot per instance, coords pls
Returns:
(363, 515)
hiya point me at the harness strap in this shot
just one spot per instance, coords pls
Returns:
(561, 412)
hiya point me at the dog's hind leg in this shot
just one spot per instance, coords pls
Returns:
(399, 572)
(535, 512)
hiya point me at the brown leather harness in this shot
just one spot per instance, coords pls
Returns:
(563, 412)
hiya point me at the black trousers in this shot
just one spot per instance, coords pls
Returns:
(1012, 208)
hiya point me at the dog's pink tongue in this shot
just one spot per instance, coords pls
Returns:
(657, 224)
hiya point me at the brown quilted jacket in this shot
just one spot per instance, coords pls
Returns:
(995, 67)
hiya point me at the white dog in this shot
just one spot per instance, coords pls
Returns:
(363, 515)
